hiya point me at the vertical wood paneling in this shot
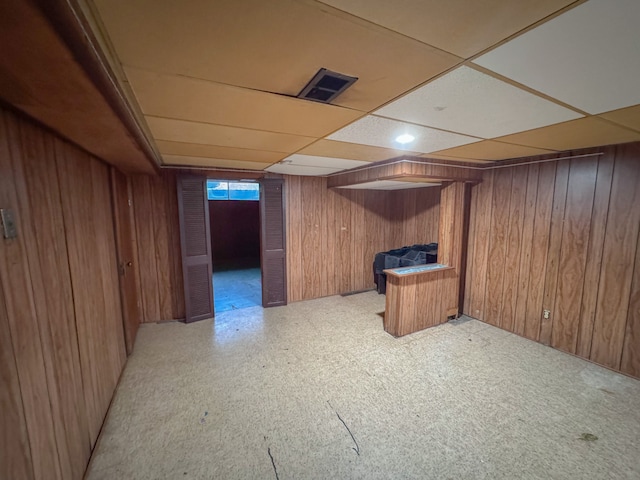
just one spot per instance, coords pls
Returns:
(539, 250)
(161, 198)
(333, 234)
(343, 248)
(555, 248)
(396, 222)
(594, 253)
(617, 259)
(409, 220)
(470, 250)
(631, 351)
(59, 303)
(294, 238)
(427, 216)
(497, 245)
(514, 244)
(329, 242)
(159, 265)
(311, 237)
(175, 263)
(575, 241)
(41, 198)
(147, 263)
(526, 246)
(87, 212)
(15, 276)
(15, 456)
(110, 319)
(577, 255)
(357, 261)
(476, 280)
(416, 302)
(127, 261)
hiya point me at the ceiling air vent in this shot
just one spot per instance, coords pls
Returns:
(326, 86)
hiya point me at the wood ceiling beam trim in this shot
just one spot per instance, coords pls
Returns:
(404, 168)
(69, 21)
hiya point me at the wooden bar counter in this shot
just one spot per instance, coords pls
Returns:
(419, 297)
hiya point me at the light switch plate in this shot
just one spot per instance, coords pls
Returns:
(8, 223)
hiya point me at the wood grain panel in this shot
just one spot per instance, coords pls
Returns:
(497, 245)
(630, 363)
(477, 274)
(617, 259)
(41, 198)
(573, 257)
(161, 198)
(514, 244)
(427, 216)
(59, 297)
(104, 245)
(19, 298)
(15, 456)
(555, 248)
(143, 210)
(578, 254)
(539, 250)
(396, 222)
(415, 167)
(293, 210)
(594, 254)
(158, 246)
(312, 261)
(470, 248)
(416, 302)
(175, 263)
(342, 239)
(87, 212)
(66, 98)
(127, 261)
(336, 256)
(526, 246)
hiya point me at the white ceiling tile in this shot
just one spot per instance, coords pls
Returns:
(587, 57)
(288, 169)
(388, 185)
(381, 132)
(470, 102)
(316, 161)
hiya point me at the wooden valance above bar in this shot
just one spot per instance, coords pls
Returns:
(411, 169)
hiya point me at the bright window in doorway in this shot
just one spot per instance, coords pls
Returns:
(225, 190)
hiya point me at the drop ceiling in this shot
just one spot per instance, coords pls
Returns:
(216, 82)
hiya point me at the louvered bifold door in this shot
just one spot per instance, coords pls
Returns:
(272, 242)
(195, 239)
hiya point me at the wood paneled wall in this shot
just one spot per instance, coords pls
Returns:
(561, 236)
(333, 234)
(157, 231)
(62, 337)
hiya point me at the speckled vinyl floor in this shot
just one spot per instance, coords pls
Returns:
(317, 390)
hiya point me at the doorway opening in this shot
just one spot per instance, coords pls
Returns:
(234, 214)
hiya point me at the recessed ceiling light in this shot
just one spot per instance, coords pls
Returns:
(405, 138)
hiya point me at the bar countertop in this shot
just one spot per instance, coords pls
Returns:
(417, 269)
